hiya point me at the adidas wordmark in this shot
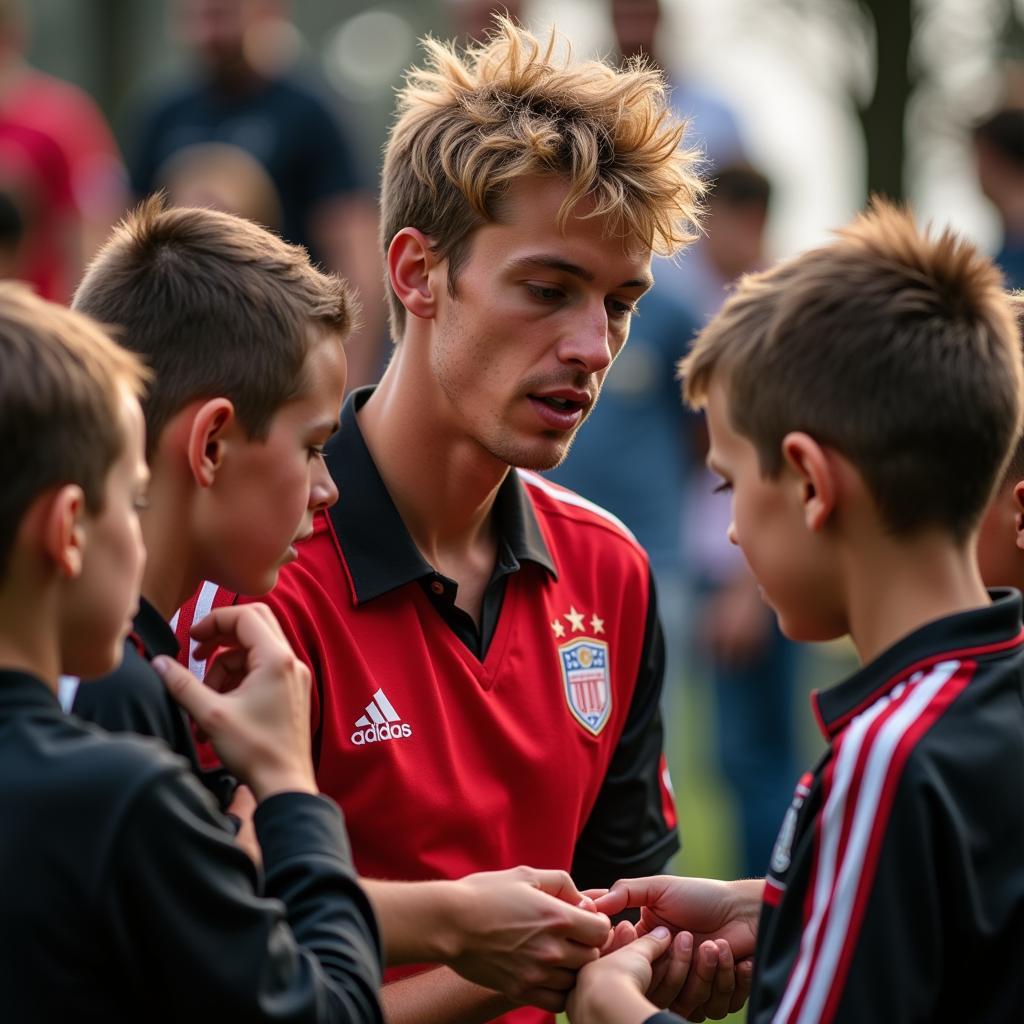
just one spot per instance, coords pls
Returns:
(381, 722)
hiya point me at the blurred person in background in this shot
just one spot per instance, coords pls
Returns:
(51, 123)
(245, 90)
(37, 178)
(713, 126)
(999, 156)
(222, 177)
(751, 664)
(472, 19)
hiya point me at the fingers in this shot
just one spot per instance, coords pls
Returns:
(709, 989)
(574, 955)
(622, 935)
(585, 927)
(650, 947)
(630, 892)
(744, 981)
(191, 694)
(675, 968)
(251, 626)
(557, 883)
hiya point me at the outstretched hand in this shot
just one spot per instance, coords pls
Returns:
(722, 917)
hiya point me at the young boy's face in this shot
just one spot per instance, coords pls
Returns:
(272, 487)
(768, 526)
(1000, 557)
(97, 616)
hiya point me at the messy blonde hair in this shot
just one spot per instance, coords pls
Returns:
(897, 349)
(471, 123)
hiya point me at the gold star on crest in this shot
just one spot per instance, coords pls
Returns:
(596, 624)
(575, 619)
(558, 628)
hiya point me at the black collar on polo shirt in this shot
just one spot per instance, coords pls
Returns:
(378, 550)
(987, 630)
(152, 631)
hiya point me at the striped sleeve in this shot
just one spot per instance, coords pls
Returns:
(863, 913)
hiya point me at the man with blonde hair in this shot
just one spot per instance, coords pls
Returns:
(485, 645)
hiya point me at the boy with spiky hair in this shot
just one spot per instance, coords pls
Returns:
(485, 645)
(124, 888)
(862, 400)
(245, 338)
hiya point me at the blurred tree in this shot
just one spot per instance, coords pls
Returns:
(884, 115)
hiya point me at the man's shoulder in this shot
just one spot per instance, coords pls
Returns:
(567, 513)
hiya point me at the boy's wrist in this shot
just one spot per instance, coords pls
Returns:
(270, 782)
(612, 1002)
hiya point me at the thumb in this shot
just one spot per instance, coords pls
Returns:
(191, 694)
(652, 945)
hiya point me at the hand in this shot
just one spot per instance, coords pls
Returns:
(525, 933)
(723, 919)
(243, 804)
(254, 706)
(611, 990)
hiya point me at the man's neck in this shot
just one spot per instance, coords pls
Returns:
(443, 483)
(898, 586)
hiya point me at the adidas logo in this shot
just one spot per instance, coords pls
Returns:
(381, 722)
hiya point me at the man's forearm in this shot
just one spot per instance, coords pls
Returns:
(416, 920)
(440, 996)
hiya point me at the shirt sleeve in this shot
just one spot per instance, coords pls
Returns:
(191, 926)
(133, 699)
(631, 829)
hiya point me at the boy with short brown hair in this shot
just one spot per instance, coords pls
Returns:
(862, 400)
(124, 888)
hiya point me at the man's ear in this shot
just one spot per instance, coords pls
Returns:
(63, 529)
(1018, 519)
(207, 439)
(816, 477)
(410, 260)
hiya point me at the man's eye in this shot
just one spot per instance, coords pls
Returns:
(722, 488)
(316, 451)
(545, 293)
(620, 308)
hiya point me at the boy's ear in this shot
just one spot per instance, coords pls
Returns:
(816, 476)
(410, 260)
(63, 530)
(1018, 519)
(207, 439)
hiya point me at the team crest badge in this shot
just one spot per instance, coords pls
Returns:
(587, 684)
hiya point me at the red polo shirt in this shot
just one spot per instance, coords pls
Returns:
(536, 741)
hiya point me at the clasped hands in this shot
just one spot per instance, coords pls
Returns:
(690, 951)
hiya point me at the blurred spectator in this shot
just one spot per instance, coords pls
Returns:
(77, 204)
(713, 126)
(472, 19)
(752, 665)
(999, 152)
(36, 177)
(222, 177)
(245, 91)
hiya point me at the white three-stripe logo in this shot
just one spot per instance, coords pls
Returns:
(378, 711)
